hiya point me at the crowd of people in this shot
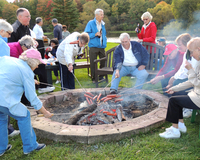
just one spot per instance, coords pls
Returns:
(21, 60)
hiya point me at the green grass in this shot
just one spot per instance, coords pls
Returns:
(142, 146)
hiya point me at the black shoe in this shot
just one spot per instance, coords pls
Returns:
(9, 146)
(113, 91)
(39, 147)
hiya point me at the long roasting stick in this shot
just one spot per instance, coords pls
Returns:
(79, 82)
(109, 83)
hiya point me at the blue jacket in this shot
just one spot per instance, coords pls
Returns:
(91, 29)
(4, 49)
(139, 52)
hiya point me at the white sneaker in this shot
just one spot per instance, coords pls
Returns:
(169, 134)
(187, 113)
(47, 89)
(57, 82)
(181, 129)
(14, 133)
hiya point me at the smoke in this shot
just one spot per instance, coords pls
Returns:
(175, 28)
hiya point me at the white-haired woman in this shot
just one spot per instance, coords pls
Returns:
(149, 29)
(16, 76)
(17, 48)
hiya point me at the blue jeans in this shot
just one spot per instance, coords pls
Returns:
(26, 130)
(141, 76)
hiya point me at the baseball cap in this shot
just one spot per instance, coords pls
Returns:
(54, 20)
(161, 40)
(169, 48)
(33, 53)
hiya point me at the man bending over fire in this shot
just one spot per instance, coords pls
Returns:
(130, 57)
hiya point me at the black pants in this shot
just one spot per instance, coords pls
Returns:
(66, 77)
(176, 105)
(94, 52)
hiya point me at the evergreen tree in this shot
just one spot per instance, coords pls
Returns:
(66, 12)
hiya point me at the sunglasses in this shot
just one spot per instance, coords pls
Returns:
(9, 33)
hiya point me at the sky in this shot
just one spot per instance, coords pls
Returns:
(10, 0)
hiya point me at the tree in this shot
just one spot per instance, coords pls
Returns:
(66, 12)
(9, 12)
(161, 13)
(184, 9)
(2, 4)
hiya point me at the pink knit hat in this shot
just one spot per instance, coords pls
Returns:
(33, 53)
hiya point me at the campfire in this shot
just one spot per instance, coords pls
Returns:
(100, 109)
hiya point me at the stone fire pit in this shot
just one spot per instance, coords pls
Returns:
(57, 131)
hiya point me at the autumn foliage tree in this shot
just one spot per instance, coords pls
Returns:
(9, 12)
(66, 12)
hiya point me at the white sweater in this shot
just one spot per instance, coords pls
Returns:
(66, 52)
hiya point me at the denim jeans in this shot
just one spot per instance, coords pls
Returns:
(141, 76)
(26, 130)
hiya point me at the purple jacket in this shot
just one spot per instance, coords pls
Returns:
(15, 49)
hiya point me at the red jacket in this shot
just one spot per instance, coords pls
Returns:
(171, 66)
(148, 34)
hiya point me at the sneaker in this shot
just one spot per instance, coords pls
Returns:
(14, 133)
(187, 113)
(181, 129)
(57, 82)
(39, 147)
(169, 134)
(47, 89)
(113, 91)
(9, 146)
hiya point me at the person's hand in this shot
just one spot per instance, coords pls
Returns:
(156, 79)
(98, 34)
(49, 49)
(170, 83)
(140, 40)
(169, 91)
(44, 37)
(70, 67)
(47, 114)
(36, 82)
(188, 66)
(141, 67)
(117, 74)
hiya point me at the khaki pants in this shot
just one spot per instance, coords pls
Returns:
(94, 52)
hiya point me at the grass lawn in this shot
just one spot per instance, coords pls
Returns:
(142, 146)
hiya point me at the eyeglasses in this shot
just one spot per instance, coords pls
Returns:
(28, 16)
(145, 19)
(27, 46)
(9, 33)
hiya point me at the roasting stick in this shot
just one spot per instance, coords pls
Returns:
(134, 87)
(79, 82)
(108, 84)
(53, 85)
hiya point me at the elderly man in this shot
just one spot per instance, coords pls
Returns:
(97, 32)
(67, 50)
(21, 25)
(129, 58)
(57, 31)
(37, 29)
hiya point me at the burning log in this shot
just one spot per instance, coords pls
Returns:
(73, 120)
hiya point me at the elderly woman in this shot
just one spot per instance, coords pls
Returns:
(67, 50)
(16, 76)
(149, 29)
(192, 100)
(16, 48)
